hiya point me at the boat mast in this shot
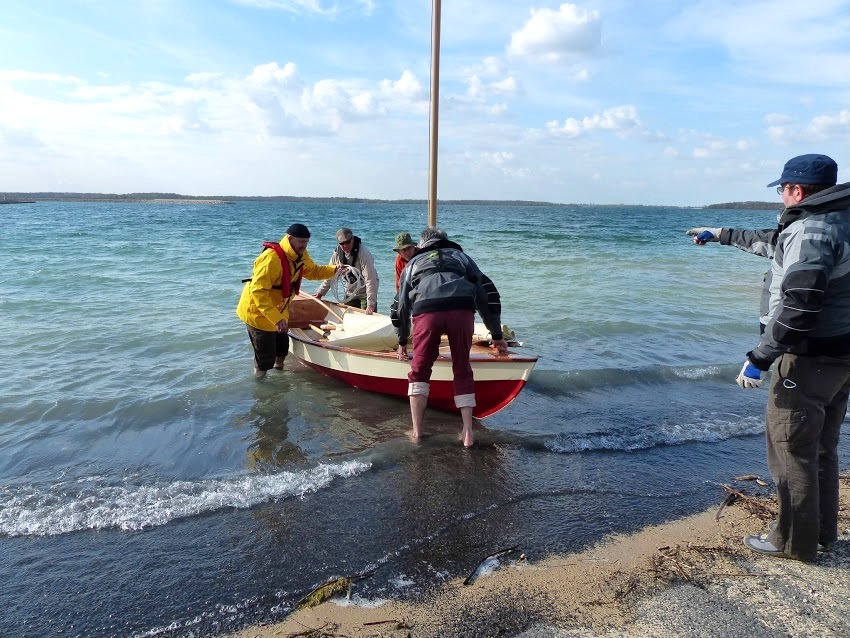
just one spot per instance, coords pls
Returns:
(435, 113)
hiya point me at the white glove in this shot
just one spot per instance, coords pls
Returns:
(704, 234)
(750, 376)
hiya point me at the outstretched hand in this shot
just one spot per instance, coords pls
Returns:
(704, 234)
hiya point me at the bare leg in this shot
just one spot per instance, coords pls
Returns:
(417, 413)
(466, 415)
(259, 374)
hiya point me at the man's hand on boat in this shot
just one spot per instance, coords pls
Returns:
(500, 345)
(401, 353)
(282, 325)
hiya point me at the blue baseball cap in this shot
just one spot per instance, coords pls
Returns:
(809, 169)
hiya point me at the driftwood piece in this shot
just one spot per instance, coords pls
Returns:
(762, 508)
(752, 477)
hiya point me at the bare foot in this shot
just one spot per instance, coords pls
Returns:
(468, 441)
(414, 436)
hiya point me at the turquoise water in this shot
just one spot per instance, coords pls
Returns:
(149, 486)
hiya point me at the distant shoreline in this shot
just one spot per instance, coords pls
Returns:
(176, 198)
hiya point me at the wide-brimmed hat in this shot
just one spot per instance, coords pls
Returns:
(403, 240)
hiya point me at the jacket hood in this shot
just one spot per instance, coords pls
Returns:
(834, 198)
(437, 243)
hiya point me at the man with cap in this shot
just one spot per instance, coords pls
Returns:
(360, 292)
(404, 249)
(266, 297)
(805, 321)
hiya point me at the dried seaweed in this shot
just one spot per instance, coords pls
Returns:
(330, 589)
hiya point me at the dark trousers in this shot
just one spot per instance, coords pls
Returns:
(808, 400)
(267, 346)
(428, 329)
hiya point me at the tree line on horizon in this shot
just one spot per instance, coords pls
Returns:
(135, 197)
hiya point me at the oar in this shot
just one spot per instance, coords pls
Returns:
(319, 301)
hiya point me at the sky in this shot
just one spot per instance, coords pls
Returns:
(679, 102)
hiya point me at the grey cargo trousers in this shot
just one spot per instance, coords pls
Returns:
(808, 399)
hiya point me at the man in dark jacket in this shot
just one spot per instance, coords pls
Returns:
(439, 292)
(805, 320)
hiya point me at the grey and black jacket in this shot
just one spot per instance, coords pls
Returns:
(805, 305)
(440, 276)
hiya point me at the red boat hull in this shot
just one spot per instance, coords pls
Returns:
(490, 396)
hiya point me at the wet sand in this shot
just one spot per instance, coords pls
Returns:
(690, 577)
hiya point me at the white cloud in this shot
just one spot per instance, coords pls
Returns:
(555, 36)
(716, 147)
(501, 163)
(271, 75)
(827, 126)
(407, 86)
(492, 66)
(618, 118)
(480, 90)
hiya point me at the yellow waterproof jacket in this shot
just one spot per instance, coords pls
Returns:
(261, 305)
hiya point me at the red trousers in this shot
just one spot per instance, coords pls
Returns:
(428, 328)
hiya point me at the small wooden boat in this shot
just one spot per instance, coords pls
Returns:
(359, 349)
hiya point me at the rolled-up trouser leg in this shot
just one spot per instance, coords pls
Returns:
(459, 325)
(418, 388)
(426, 348)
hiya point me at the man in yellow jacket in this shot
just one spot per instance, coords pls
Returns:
(265, 300)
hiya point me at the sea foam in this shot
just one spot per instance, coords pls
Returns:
(28, 510)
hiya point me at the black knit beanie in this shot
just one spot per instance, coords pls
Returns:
(298, 230)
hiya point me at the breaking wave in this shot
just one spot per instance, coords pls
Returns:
(641, 438)
(89, 503)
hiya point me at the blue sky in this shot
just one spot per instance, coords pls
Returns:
(683, 102)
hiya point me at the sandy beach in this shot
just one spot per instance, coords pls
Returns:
(690, 577)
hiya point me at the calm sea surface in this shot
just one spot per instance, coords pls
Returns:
(149, 486)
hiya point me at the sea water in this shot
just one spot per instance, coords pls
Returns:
(149, 486)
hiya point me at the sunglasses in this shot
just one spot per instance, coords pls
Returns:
(345, 243)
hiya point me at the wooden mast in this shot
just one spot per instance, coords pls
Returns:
(435, 113)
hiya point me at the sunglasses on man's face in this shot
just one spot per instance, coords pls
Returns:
(345, 243)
